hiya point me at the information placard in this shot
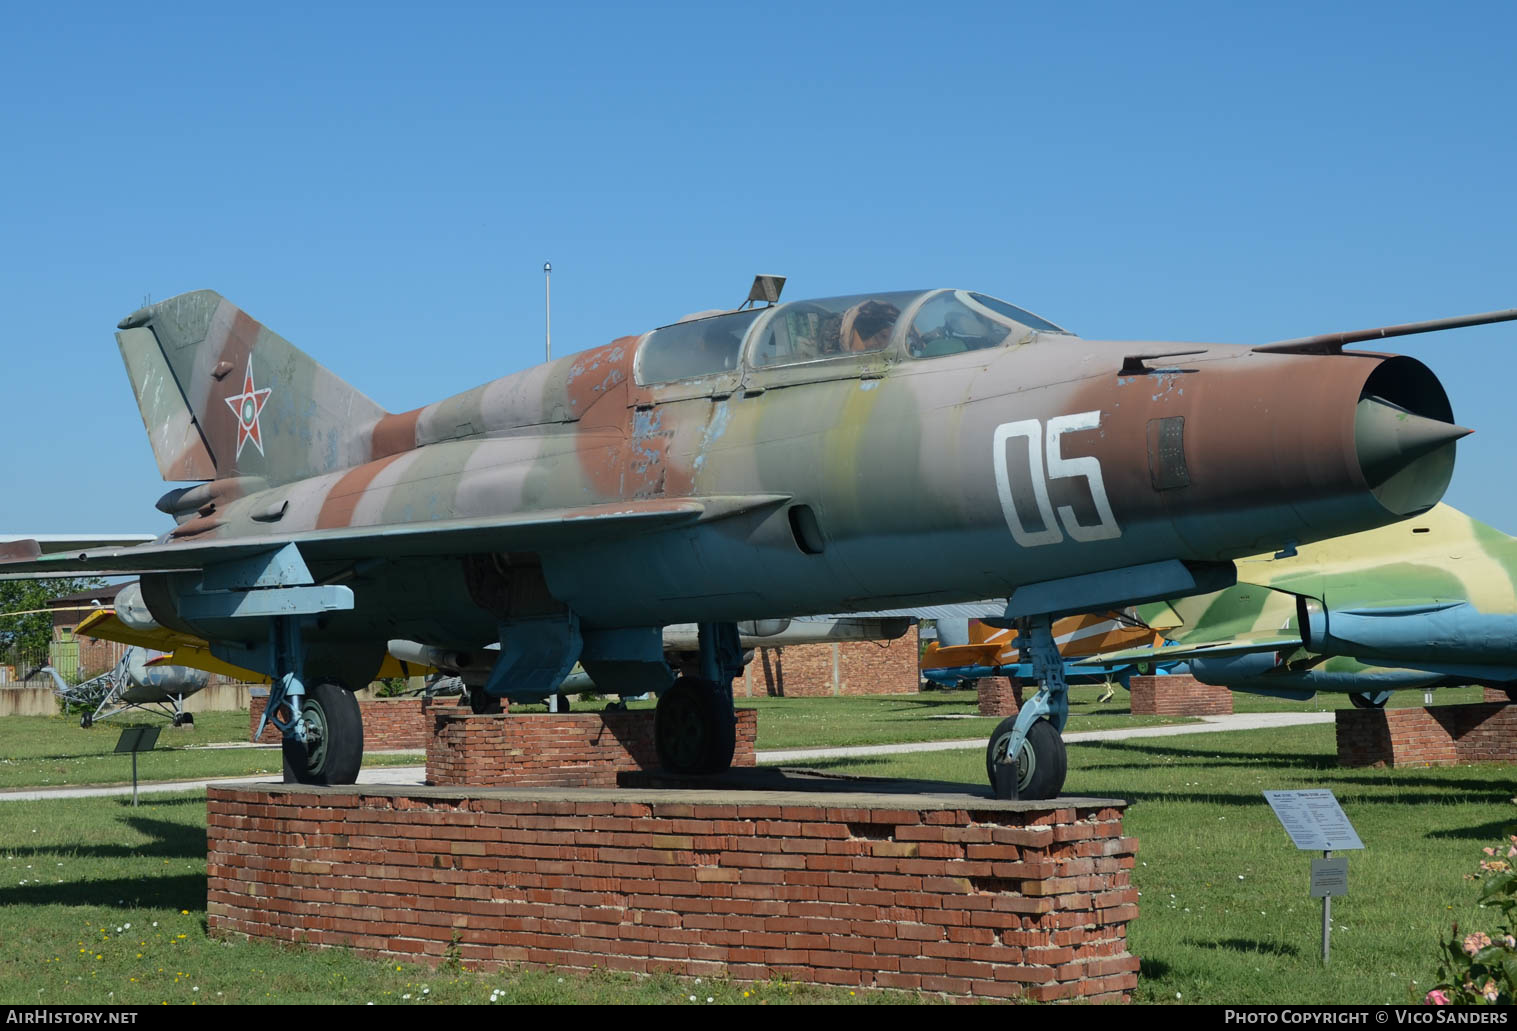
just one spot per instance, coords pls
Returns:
(1314, 820)
(1329, 877)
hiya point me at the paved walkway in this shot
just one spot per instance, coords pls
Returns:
(1208, 724)
(408, 775)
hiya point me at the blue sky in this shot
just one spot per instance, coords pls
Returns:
(381, 185)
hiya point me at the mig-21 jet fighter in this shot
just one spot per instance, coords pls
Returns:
(847, 454)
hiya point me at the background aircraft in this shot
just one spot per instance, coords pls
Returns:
(967, 650)
(1428, 602)
(749, 465)
(143, 680)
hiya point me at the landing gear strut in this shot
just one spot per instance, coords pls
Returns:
(1025, 756)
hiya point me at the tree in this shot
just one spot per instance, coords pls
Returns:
(32, 633)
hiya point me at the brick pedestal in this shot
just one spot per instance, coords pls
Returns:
(1444, 735)
(547, 749)
(388, 723)
(1178, 695)
(1000, 696)
(965, 896)
(834, 668)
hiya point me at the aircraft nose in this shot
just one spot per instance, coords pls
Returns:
(1389, 439)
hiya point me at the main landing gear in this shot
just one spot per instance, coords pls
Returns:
(694, 726)
(1025, 756)
(332, 750)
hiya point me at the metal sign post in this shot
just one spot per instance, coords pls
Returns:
(1314, 820)
(134, 740)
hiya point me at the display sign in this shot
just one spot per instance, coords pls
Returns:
(1314, 820)
(1329, 877)
(137, 739)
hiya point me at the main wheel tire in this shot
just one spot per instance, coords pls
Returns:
(1367, 701)
(482, 704)
(694, 727)
(1041, 764)
(333, 749)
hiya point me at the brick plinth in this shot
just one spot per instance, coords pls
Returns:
(1178, 695)
(963, 896)
(545, 749)
(834, 668)
(1443, 735)
(388, 723)
(1000, 696)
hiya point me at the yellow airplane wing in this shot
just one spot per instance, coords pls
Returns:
(195, 652)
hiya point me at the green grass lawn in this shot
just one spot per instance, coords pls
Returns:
(1328, 702)
(54, 751)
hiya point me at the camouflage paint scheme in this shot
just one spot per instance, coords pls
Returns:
(571, 495)
(1428, 602)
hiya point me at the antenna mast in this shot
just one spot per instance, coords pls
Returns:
(548, 309)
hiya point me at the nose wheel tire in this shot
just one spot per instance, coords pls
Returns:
(1041, 763)
(333, 749)
(694, 727)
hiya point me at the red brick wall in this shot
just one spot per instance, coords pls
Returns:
(836, 668)
(388, 723)
(1002, 900)
(1178, 695)
(1000, 696)
(1496, 694)
(559, 750)
(1443, 735)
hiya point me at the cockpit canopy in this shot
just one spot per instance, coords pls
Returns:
(924, 323)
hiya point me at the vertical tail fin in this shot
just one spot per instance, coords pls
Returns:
(223, 396)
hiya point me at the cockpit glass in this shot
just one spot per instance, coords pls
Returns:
(806, 331)
(1021, 315)
(955, 321)
(699, 347)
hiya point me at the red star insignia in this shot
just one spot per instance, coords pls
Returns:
(246, 407)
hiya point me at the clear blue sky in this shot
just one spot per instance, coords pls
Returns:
(381, 185)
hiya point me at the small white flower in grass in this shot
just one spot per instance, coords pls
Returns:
(1240, 877)
(710, 999)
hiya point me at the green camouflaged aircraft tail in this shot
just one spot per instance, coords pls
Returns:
(197, 355)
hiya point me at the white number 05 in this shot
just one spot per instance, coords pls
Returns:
(1087, 468)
